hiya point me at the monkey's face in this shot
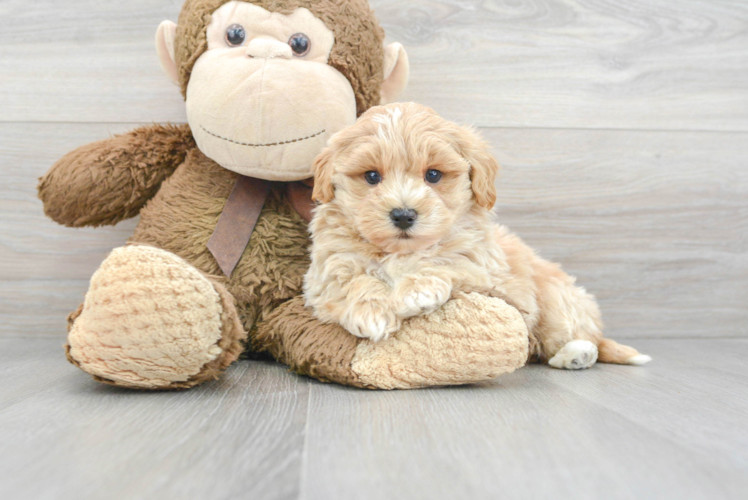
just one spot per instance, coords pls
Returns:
(265, 90)
(262, 100)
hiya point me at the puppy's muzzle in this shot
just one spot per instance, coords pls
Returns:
(404, 218)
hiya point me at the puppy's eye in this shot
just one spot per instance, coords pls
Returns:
(373, 177)
(300, 44)
(433, 176)
(235, 35)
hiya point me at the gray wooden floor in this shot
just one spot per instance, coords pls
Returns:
(622, 129)
(675, 429)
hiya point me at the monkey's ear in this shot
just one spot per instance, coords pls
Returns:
(396, 72)
(324, 191)
(165, 37)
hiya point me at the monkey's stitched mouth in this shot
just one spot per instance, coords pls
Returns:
(262, 145)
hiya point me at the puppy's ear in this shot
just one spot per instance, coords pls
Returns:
(483, 166)
(324, 191)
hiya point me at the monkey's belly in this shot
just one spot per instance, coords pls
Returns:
(181, 219)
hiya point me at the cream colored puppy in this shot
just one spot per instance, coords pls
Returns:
(405, 221)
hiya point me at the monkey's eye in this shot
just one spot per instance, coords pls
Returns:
(433, 176)
(300, 44)
(235, 35)
(373, 177)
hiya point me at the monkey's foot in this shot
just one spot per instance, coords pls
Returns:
(150, 320)
(472, 338)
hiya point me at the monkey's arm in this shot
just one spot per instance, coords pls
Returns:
(109, 181)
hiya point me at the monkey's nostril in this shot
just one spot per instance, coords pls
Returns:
(404, 218)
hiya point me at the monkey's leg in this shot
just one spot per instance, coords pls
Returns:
(472, 338)
(150, 320)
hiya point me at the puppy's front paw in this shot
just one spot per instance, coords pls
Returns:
(372, 319)
(420, 295)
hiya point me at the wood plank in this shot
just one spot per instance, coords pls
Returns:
(639, 64)
(527, 435)
(28, 365)
(82, 61)
(241, 436)
(39, 307)
(653, 223)
(582, 64)
(699, 405)
(672, 429)
(726, 355)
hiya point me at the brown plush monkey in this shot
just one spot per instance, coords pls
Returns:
(216, 263)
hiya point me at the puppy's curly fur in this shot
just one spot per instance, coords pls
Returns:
(405, 221)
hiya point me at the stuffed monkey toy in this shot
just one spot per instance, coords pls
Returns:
(216, 264)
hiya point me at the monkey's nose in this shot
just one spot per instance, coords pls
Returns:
(404, 218)
(268, 49)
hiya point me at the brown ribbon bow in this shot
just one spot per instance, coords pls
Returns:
(241, 213)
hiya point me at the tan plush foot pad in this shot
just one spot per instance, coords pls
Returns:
(471, 339)
(152, 321)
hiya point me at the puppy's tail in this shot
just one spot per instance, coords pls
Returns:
(610, 351)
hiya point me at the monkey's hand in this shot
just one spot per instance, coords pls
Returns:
(109, 181)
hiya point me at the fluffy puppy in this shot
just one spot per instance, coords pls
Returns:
(405, 220)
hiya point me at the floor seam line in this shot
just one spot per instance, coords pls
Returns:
(305, 446)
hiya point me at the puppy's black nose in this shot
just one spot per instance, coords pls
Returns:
(404, 218)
